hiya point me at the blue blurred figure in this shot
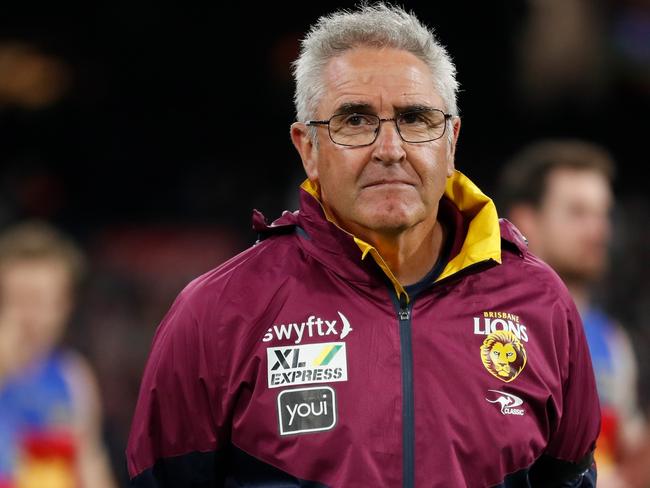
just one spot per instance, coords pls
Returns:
(49, 400)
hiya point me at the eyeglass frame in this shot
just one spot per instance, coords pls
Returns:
(314, 123)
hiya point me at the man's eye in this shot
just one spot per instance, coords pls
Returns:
(412, 118)
(422, 118)
(356, 120)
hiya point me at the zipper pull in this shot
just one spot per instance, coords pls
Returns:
(404, 312)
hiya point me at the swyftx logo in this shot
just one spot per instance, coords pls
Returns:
(306, 410)
(313, 327)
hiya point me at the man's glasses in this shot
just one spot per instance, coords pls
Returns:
(362, 129)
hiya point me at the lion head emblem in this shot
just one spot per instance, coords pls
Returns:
(503, 355)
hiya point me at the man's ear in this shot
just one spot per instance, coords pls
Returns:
(452, 148)
(306, 148)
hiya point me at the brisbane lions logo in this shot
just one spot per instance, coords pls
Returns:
(503, 355)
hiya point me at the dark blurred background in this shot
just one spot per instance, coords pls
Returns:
(150, 132)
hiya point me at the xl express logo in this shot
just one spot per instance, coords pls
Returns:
(309, 363)
(313, 326)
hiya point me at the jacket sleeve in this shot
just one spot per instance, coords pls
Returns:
(568, 460)
(174, 439)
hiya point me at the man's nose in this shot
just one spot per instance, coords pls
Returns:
(389, 146)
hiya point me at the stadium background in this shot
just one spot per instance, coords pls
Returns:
(150, 132)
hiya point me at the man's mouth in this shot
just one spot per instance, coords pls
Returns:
(387, 183)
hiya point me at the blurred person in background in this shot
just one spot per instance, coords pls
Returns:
(50, 416)
(559, 194)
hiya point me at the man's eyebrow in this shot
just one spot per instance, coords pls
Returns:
(354, 107)
(365, 108)
(415, 107)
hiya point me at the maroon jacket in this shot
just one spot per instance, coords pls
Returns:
(303, 362)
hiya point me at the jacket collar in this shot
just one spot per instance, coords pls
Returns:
(482, 240)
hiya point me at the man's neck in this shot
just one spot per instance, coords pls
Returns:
(410, 254)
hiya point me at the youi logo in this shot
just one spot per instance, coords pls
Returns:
(306, 410)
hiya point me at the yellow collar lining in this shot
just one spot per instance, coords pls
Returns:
(482, 242)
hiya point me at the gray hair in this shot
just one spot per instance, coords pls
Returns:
(377, 25)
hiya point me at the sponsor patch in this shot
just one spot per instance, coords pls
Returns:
(508, 402)
(306, 410)
(312, 327)
(309, 363)
(503, 355)
(491, 322)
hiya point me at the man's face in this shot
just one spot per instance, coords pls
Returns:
(573, 223)
(35, 301)
(391, 185)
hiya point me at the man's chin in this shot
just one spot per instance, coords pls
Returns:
(390, 224)
(395, 217)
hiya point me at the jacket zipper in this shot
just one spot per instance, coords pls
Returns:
(408, 409)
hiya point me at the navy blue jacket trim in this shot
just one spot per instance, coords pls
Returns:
(207, 470)
(548, 472)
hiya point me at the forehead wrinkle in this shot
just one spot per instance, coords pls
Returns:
(378, 86)
(375, 96)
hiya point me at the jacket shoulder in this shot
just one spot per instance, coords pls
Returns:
(254, 272)
(511, 237)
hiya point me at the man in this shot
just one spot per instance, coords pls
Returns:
(391, 332)
(50, 417)
(558, 192)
